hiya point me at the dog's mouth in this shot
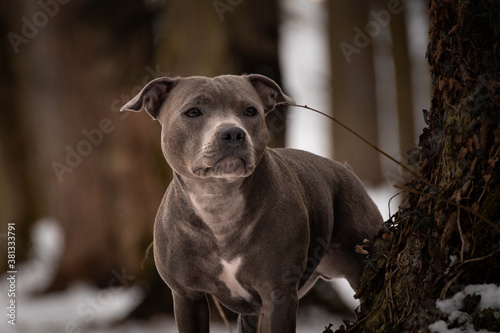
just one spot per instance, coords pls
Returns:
(228, 166)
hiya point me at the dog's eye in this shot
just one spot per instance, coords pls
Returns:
(251, 112)
(193, 113)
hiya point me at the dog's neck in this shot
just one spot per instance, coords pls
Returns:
(218, 202)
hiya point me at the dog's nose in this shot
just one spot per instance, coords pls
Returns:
(232, 136)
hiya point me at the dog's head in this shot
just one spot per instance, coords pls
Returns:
(211, 127)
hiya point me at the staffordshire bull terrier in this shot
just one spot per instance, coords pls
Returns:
(253, 226)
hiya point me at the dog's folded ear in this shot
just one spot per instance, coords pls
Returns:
(269, 91)
(151, 97)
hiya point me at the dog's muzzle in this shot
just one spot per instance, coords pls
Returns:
(234, 157)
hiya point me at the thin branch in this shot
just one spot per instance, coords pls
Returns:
(146, 255)
(222, 314)
(259, 321)
(401, 164)
(480, 258)
(445, 289)
(461, 236)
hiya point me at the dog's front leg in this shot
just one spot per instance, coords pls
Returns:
(247, 323)
(278, 315)
(191, 313)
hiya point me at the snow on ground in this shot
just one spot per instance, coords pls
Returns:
(453, 308)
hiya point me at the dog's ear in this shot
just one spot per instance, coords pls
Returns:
(151, 97)
(269, 91)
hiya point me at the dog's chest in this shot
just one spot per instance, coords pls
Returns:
(223, 214)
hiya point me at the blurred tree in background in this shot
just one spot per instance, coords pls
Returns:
(366, 38)
(19, 196)
(353, 87)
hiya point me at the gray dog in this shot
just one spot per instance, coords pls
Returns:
(253, 226)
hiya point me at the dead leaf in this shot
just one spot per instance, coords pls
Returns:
(387, 236)
(360, 249)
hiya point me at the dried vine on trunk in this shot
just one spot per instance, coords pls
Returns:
(446, 234)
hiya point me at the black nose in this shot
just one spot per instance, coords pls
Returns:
(232, 136)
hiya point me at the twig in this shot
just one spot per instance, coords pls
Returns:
(361, 138)
(389, 204)
(445, 289)
(388, 295)
(358, 323)
(401, 164)
(480, 258)
(259, 321)
(146, 255)
(222, 314)
(461, 237)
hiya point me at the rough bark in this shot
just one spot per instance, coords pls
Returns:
(453, 209)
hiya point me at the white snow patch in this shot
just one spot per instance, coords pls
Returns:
(346, 293)
(47, 246)
(453, 262)
(70, 311)
(490, 298)
(381, 196)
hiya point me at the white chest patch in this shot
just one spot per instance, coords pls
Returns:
(228, 276)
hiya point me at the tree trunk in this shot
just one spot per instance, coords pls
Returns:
(353, 87)
(446, 234)
(100, 169)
